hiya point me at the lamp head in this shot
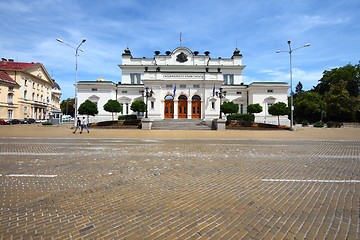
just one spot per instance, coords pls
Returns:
(84, 40)
(59, 40)
(289, 42)
(306, 45)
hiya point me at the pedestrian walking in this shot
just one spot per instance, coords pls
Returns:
(84, 124)
(78, 125)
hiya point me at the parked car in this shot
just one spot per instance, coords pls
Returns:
(29, 120)
(2, 122)
(13, 121)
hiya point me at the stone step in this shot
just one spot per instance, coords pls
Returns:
(181, 124)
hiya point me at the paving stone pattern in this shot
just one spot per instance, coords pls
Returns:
(178, 189)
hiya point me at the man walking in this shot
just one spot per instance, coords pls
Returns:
(78, 125)
(84, 125)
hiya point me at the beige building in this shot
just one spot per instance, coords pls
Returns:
(27, 91)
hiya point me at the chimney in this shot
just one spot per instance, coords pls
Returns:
(11, 60)
(3, 61)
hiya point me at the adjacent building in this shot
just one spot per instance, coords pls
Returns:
(183, 84)
(27, 91)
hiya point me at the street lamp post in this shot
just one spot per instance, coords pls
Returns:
(147, 94)
(77, 49)
(221, 94)
(291, 82)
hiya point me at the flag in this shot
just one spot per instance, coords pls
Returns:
(214, 91)
(174, 89)
(180, 39)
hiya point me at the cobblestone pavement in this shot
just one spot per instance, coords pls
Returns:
(179, 189)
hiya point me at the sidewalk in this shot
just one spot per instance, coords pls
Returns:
(39, 131)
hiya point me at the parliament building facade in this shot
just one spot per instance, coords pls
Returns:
(183, 84)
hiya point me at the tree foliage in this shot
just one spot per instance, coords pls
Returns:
(112, 106)
(350, 74)
(254, 108)
(299, 88)
(340, 91)
(138, 106)
(67, 106)
(340, 105)
(229, 108)
(278, 109)
(88, 108)
(308, 106)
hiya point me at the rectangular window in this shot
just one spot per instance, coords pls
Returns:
(228, 79)
(10, 98)
(25, 110)
(135, 78)
(213, 105)
(196, 86)
(152, 105)
(169, 85)
(241, 108)
(11, 88)
(182, 86)
(123, 91)
(270, 90)
(10, 114)
(238, 92)
(94, 89)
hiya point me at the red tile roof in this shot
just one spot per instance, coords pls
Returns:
(11, 65)
(4, 77)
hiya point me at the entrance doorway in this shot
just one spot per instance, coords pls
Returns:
(169, 107)
(182, 107)
(196, 107)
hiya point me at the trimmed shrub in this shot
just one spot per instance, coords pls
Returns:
(319, 124)
(242, 118)
(47, 123)
(106, 123)
(305, 123)
(127, 117)
(333, 124)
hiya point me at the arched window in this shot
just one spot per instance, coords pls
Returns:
(169, 97)
(25, 94)
(182, 97)
(196, 98)
(10, 98)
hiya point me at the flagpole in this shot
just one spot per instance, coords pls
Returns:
(180, 39)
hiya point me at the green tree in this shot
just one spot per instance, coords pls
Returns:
(88, 108)
(67, 106)
(112, 106)
(349, 74)
(138, 106)
(298, 88)
(254, 108)
(229, 108)
(340, 105)
(308, 106)
(278, 109)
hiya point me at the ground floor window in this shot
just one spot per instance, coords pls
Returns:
(10, 114)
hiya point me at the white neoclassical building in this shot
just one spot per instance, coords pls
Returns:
(183, 85)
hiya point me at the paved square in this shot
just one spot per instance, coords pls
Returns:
(106, 188)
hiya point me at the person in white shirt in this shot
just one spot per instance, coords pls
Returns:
(84, 124)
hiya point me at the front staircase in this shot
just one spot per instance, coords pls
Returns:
(181, 124)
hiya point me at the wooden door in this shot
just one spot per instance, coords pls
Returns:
(196, 109)
(182, 108)
(169, 109)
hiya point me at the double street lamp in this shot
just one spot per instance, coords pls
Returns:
(221, 94)
(147, 94)
(77, 49)
(291, 84)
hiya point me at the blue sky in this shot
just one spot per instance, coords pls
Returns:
(257, 28)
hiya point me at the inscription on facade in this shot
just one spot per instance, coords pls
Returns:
(183, 76)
